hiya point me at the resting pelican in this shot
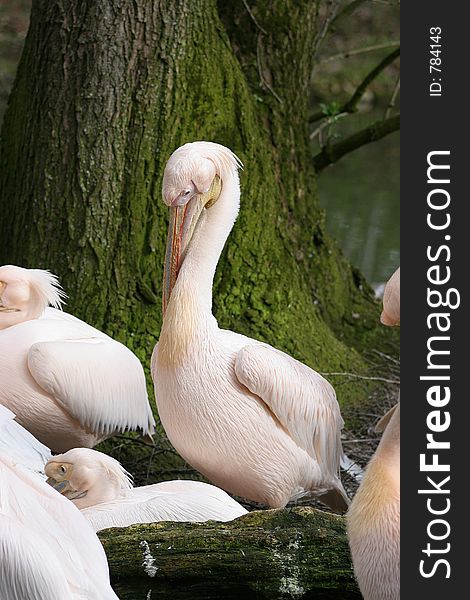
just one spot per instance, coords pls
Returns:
(67, 383)
(48, 550)
(391, 300)
(252, 419)
(102, 489)
(374, 516)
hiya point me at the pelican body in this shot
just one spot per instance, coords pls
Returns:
(374, 516)
(68, 383)
(252, 419)
(374, 520)
(391, 301)
(48, 550)
(21, 447)
(100, 487)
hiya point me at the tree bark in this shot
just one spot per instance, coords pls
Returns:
(105, 91)
(295, 553)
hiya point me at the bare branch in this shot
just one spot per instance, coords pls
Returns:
(385, 3)
(365, 377)
(331, 153)
(386, 356)
(359, 441)
(316, 132)
(347, 10)
(253, 18)
(351, 105)
(391, 104)
(334, 15)
(332, 11)
(358, 51)
(263, 79)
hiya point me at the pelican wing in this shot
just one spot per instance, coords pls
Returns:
(147, 505)
(22, 447)
(32, 504)
(97, 380)
(302, 400)
(27, 559)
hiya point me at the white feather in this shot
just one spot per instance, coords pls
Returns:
(98, 381)
(303, 401)
(48, 551)
(253, 420)
(111, 501)
(70, 384)
(47, 287)
(154, 503)
(22, 447)
(28, 566)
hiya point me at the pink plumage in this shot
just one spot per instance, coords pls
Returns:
(67, 382)
(252, 419)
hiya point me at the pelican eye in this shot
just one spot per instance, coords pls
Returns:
(63, 469)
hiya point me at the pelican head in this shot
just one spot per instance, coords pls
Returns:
(391, 301)
(87, 477)
(26, 293)
(192, 184)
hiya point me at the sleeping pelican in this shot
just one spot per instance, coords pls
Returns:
(102, 489)
(252, 419)
(48, 550)
(374, 516)
(67, 383)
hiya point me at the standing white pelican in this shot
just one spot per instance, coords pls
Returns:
(102, 489)
(374, 516)
(252, 419)
(67, 383)
(48, 550)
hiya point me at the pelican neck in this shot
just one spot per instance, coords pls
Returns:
(196, 275)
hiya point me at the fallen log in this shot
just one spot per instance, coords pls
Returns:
(292, 553)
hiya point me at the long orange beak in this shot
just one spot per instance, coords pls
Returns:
(183, 221)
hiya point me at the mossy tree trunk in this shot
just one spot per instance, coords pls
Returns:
(105, 91)
(268, 555)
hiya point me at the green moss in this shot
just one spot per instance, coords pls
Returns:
(295, 553)
(92, 120)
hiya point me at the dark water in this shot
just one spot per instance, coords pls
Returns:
(361, 195)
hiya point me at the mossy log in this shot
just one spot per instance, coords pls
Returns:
(292, 553)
